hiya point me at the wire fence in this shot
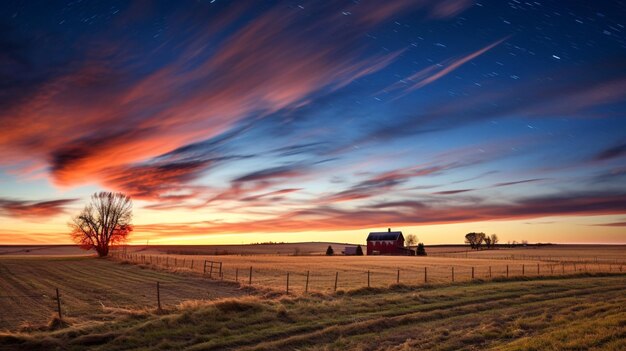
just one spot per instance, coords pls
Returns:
(71, 301)
(286, 279)
(35, 308)
(495, 255)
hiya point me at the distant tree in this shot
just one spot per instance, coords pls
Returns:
(494, 239)
(475, 240)
(359, 251)
(421, 250)
(330, 251)
(411, 240)
(488, 241)
(105, 221)
(480, 238)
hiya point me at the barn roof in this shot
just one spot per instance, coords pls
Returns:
(384, 236)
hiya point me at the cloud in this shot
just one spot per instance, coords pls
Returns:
(611, 152)
(452, 192)
(519, 182)
(107, 109)
(33, 209)
(433, 73)
(406, 213)
(573, 93)
(380, 184)
(613, 224)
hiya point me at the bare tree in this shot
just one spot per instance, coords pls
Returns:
(494, 239)
(105, 221)
(488, 241)
(411, 240)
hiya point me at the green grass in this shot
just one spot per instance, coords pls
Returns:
(568, 313)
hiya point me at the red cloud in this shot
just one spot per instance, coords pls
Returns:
(20, 208)
(103, 113)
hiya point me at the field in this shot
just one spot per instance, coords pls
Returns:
(90, 288)
(573, 313)
(552, 298)
(567, 253)
(325, 274)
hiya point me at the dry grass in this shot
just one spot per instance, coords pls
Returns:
(91, 288)
(567, 253)
(576, 313)
(352, 271)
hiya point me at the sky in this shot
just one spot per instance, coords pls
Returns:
(255, 121)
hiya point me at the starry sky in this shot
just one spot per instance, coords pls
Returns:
(253, 121)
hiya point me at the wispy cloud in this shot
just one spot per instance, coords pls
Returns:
(328, 218)
(435, 72)
(33, 209)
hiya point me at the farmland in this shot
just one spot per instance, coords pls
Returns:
(90, 288)
(567, 253)
(111, 304)
(585, 312)
(325, 273)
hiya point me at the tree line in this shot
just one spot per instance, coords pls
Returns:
(476, 240)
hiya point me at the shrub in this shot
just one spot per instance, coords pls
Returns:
(421, 251)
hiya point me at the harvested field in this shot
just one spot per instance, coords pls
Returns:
(556, 253)
(574, 313)
(351, 272)
(91, 288)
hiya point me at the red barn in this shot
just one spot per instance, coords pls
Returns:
(387, 243)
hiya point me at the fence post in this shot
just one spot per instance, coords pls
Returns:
(563, 267)
(159, 296)
(250, 278)
(490, 272)
(287, 290)
(336, 279)
(537, 268)
(59, 304)
(204, 269)
(368, 279)
(306, 286)
(175, 261)
(237, 274)
(192, 264)
(425, 275)
(398, 277)
(523, 269)
(211, 270)
(507, 270)
(472, 272)
(221, 269)
(453, 274)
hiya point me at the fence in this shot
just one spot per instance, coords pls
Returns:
(36, 307)
(329, 280)
(495, 255)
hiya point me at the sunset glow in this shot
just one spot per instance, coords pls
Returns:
(243, 121)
